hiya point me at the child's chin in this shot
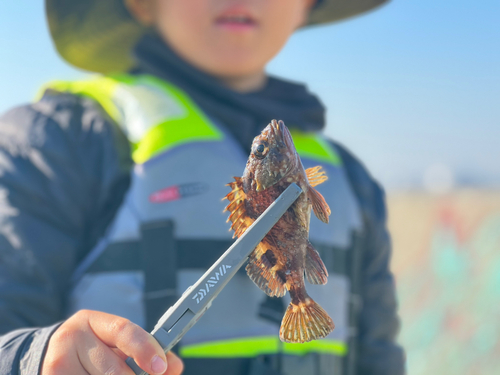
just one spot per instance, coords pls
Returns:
(235, 63)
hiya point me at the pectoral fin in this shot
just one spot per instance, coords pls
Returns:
(320, 207)
(262, 268)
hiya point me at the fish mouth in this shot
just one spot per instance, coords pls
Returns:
(281, 134)
(277, 129)
(282, 156)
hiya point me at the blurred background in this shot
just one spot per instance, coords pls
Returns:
(413, 90)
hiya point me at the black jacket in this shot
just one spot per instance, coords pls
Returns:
(64, 170)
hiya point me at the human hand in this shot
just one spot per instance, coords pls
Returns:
(93, 342)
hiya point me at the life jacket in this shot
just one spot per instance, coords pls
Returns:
(170, 227)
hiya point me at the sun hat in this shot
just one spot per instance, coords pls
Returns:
(98, 35)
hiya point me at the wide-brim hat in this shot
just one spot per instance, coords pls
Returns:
(98, 35)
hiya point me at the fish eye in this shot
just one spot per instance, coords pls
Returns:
(260, 151)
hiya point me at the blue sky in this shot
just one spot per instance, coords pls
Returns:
(412, 85)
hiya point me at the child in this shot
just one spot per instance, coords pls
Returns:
(112, 186)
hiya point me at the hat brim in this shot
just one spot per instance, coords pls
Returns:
(98, 35)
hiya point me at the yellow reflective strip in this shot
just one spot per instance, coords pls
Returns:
(313, 146)
(246, 347)
(325, 346)
(254, 346)
(194, 127)
(172, 133)
(100, 89)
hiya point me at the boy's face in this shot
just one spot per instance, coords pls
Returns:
(225, 38)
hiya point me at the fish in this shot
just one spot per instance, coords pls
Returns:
(285, 257)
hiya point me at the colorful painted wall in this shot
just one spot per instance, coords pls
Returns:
(446, 261)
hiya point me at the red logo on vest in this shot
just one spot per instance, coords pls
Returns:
(165, 195)
(176, 192)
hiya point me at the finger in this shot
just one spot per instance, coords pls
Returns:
(61, 356)
(119, 353)
(130, 339)
(62, 365)
(175, 365)
(98, 359)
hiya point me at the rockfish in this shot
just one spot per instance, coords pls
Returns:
(285, 255)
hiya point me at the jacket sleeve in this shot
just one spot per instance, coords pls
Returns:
(378, 323)
(64, 169)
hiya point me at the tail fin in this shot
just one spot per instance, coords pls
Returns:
(305, 322)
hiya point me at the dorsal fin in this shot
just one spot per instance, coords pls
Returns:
(316, 175)
(239, 218)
